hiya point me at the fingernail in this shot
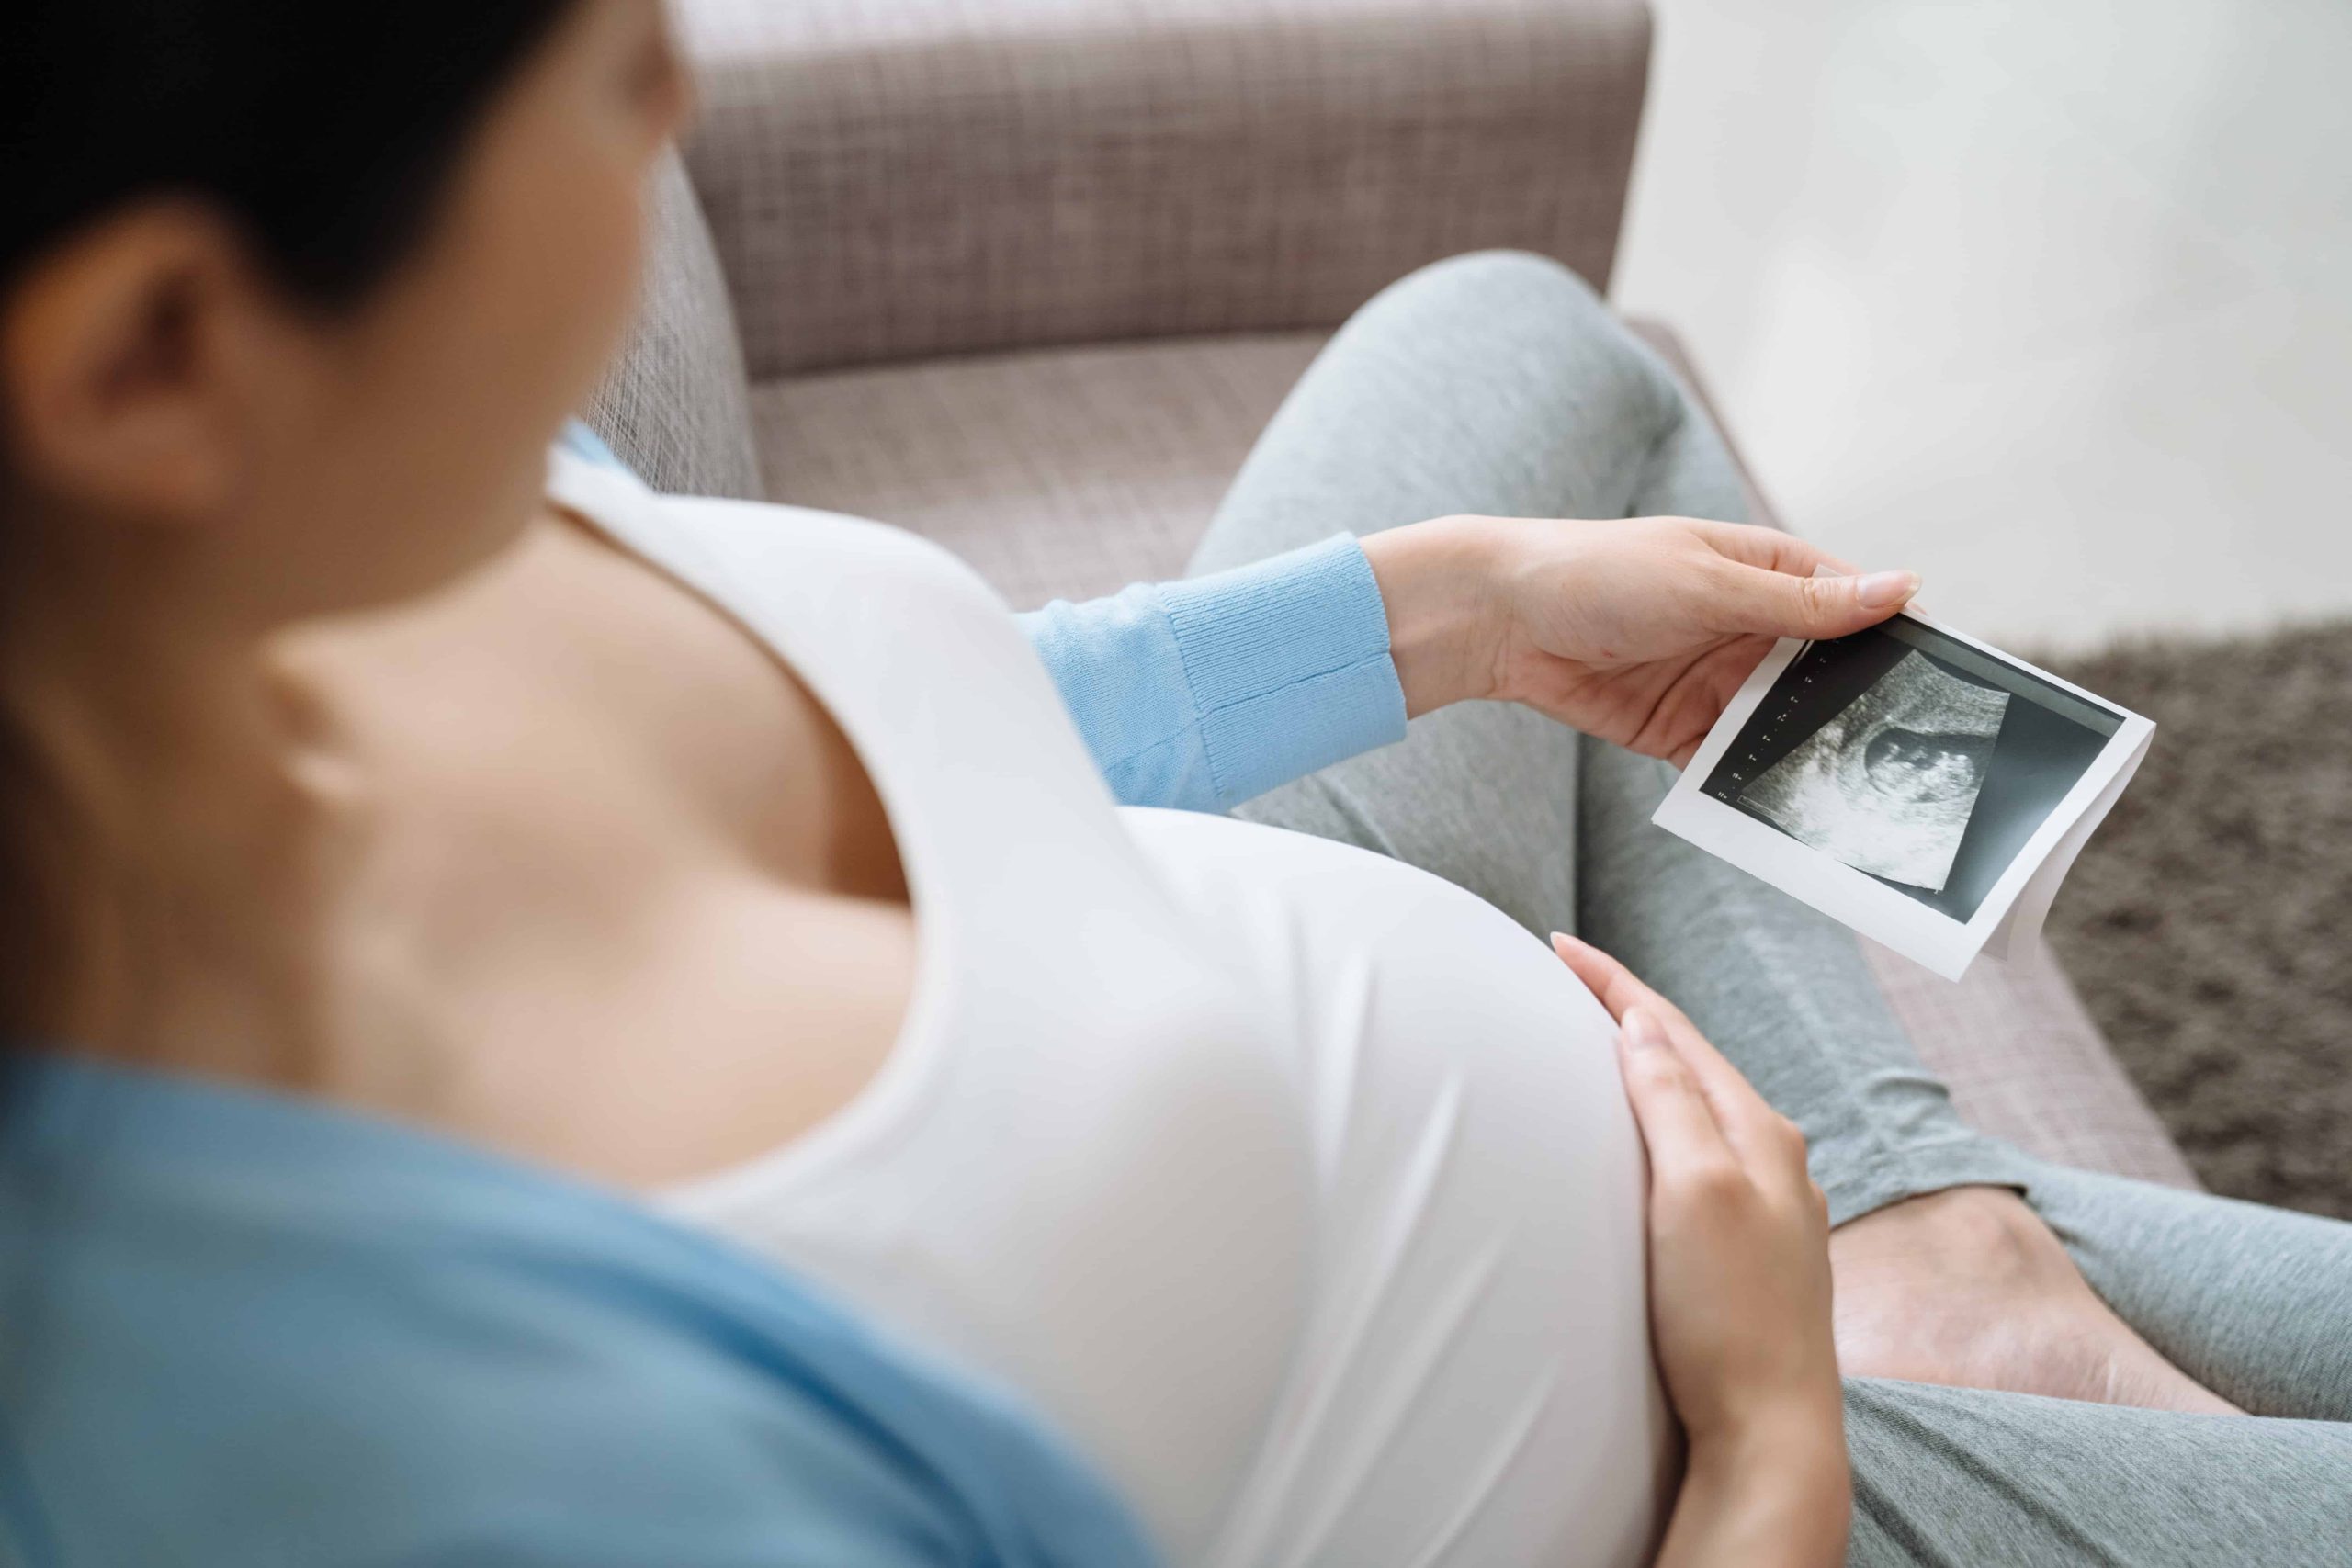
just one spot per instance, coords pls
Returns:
(1643, 1033)
(1562, 939)
(1881, 589)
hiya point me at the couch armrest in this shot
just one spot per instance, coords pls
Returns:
(892, 179)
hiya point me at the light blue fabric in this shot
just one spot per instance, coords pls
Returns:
(1200, 695)
(581, 442)
(244, 1330)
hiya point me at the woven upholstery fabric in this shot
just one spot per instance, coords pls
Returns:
(1073, 472)
(2025, 1061)
(675, 403)
(922, 178)
(1064, 472)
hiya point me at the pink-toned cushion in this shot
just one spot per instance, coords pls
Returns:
(2024, 1060)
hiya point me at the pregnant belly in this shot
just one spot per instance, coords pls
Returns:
(1474, 1384)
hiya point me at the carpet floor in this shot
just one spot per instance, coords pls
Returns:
(2209, 923)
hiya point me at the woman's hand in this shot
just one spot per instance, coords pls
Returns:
(1637, 632)
(1739, 1292)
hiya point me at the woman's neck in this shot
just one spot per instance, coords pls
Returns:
(186, 795)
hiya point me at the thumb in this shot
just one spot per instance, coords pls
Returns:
(1778, 604)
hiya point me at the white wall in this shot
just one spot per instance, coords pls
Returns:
(2051, 301)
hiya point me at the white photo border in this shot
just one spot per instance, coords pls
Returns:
(1926, 935)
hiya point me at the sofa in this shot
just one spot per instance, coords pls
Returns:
(1028, 275)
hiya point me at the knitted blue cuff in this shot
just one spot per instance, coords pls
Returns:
(1288, 664)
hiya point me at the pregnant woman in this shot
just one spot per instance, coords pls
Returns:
(556, 1025)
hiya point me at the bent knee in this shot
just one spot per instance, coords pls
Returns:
(1521, 273)
(1526, 302)
(1515, 282)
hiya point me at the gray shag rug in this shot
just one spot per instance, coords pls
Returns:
(2209, 923)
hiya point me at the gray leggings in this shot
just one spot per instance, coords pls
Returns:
(1497, 384)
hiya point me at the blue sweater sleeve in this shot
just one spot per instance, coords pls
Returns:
(1202, 694)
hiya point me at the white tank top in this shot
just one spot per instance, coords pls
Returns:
(1294, 1185)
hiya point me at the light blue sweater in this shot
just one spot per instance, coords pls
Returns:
(239, 1329)
(1202, 694)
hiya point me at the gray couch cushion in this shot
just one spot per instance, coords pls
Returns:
(1065, 472)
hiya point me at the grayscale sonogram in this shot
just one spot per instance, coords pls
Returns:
(1888, 784)
(1904, 765)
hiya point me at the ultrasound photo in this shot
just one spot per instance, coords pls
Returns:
(1922, 787)
(1888, 785)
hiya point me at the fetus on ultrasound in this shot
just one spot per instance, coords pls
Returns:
(1888, 784)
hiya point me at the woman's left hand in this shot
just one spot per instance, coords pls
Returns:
(1739, 1296)
(1636, 631)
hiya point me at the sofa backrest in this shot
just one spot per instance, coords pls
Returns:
(904, 179)
(675, 405)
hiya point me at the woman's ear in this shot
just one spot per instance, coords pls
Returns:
(129, 367)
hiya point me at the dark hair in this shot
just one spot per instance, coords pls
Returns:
(324, 128)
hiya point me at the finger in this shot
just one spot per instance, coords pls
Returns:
(1610, 981)
(1747, 1120)
(1698, 697)
(1624, 995)
(1756, 598)
(1744, 1116)
(1619, 988)
(1752, 545)
(1676, 1126)
(1621, 991)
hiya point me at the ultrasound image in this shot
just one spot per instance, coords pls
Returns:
(1888, 785)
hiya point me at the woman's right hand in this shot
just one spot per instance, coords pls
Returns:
(1739, 1292)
